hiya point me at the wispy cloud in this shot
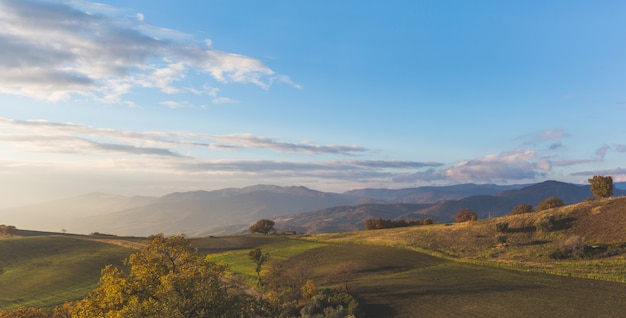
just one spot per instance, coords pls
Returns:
(619, 174)
(9, 128)
(519, 164)
(54, 51)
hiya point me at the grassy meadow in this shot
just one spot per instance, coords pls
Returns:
(398, 282)
(440, 270)
(47, 270)
(597, 225)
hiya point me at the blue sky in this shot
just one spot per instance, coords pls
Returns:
(150, 97)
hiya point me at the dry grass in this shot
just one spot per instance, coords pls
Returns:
(590, 223)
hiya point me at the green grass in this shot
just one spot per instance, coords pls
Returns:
(399, 282)
(279, 249)
(456, 270)
(45, 271)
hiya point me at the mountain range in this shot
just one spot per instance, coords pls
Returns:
(233, 210)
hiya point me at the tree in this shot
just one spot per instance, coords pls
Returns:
(8, 230)
(259, 259)
(465, 215)
(523, 208)
(549, 203)
(264, 226)
(601, 186)
(167, 278)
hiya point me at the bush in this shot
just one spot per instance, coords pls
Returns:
(545, 224)
(550, 203)
(502, 227)
(523, 208)
(465, 215)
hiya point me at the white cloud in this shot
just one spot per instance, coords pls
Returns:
(520, 164)
(54, 51)
(36, 128)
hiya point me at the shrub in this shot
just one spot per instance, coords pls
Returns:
(549, 203)
(427, 221)
(502, 227)
(545, 224)
(523, 208)
(465, 215)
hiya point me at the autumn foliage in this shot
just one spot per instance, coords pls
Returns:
(465, 215)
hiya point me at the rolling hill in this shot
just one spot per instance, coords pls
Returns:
(337, 219)
(200, 213)
(232, 210)
(440, 270)
(46, 269)
(431, 194)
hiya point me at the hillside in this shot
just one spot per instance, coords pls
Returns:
(502, 203)
(592, 232)
(42, 269)
(350, 218)
(439, 270)
(343, 218)
(431, 194)
(233, 210)
(210, 212)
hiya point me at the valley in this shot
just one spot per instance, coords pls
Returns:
(439, 270)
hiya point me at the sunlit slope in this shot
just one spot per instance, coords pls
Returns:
(397, 282)
(597, 227)
(47, 270)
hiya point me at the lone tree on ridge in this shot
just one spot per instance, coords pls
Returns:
(601, 186)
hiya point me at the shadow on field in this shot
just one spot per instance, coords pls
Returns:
(382, 302)
(526, 229)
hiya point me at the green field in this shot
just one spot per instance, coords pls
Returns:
(394, 282)
(45, 271)
(441, 270)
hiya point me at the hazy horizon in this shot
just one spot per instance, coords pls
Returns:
(145, 98)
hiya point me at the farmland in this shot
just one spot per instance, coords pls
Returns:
(440, 270)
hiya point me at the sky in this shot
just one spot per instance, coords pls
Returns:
(148, 97)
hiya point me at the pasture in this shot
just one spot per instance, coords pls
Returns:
(45, 271)
(396, 282)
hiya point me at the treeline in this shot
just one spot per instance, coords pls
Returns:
(380, 223)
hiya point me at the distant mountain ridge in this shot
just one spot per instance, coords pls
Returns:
(432, 193)
(483, 205)
(231, 210)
